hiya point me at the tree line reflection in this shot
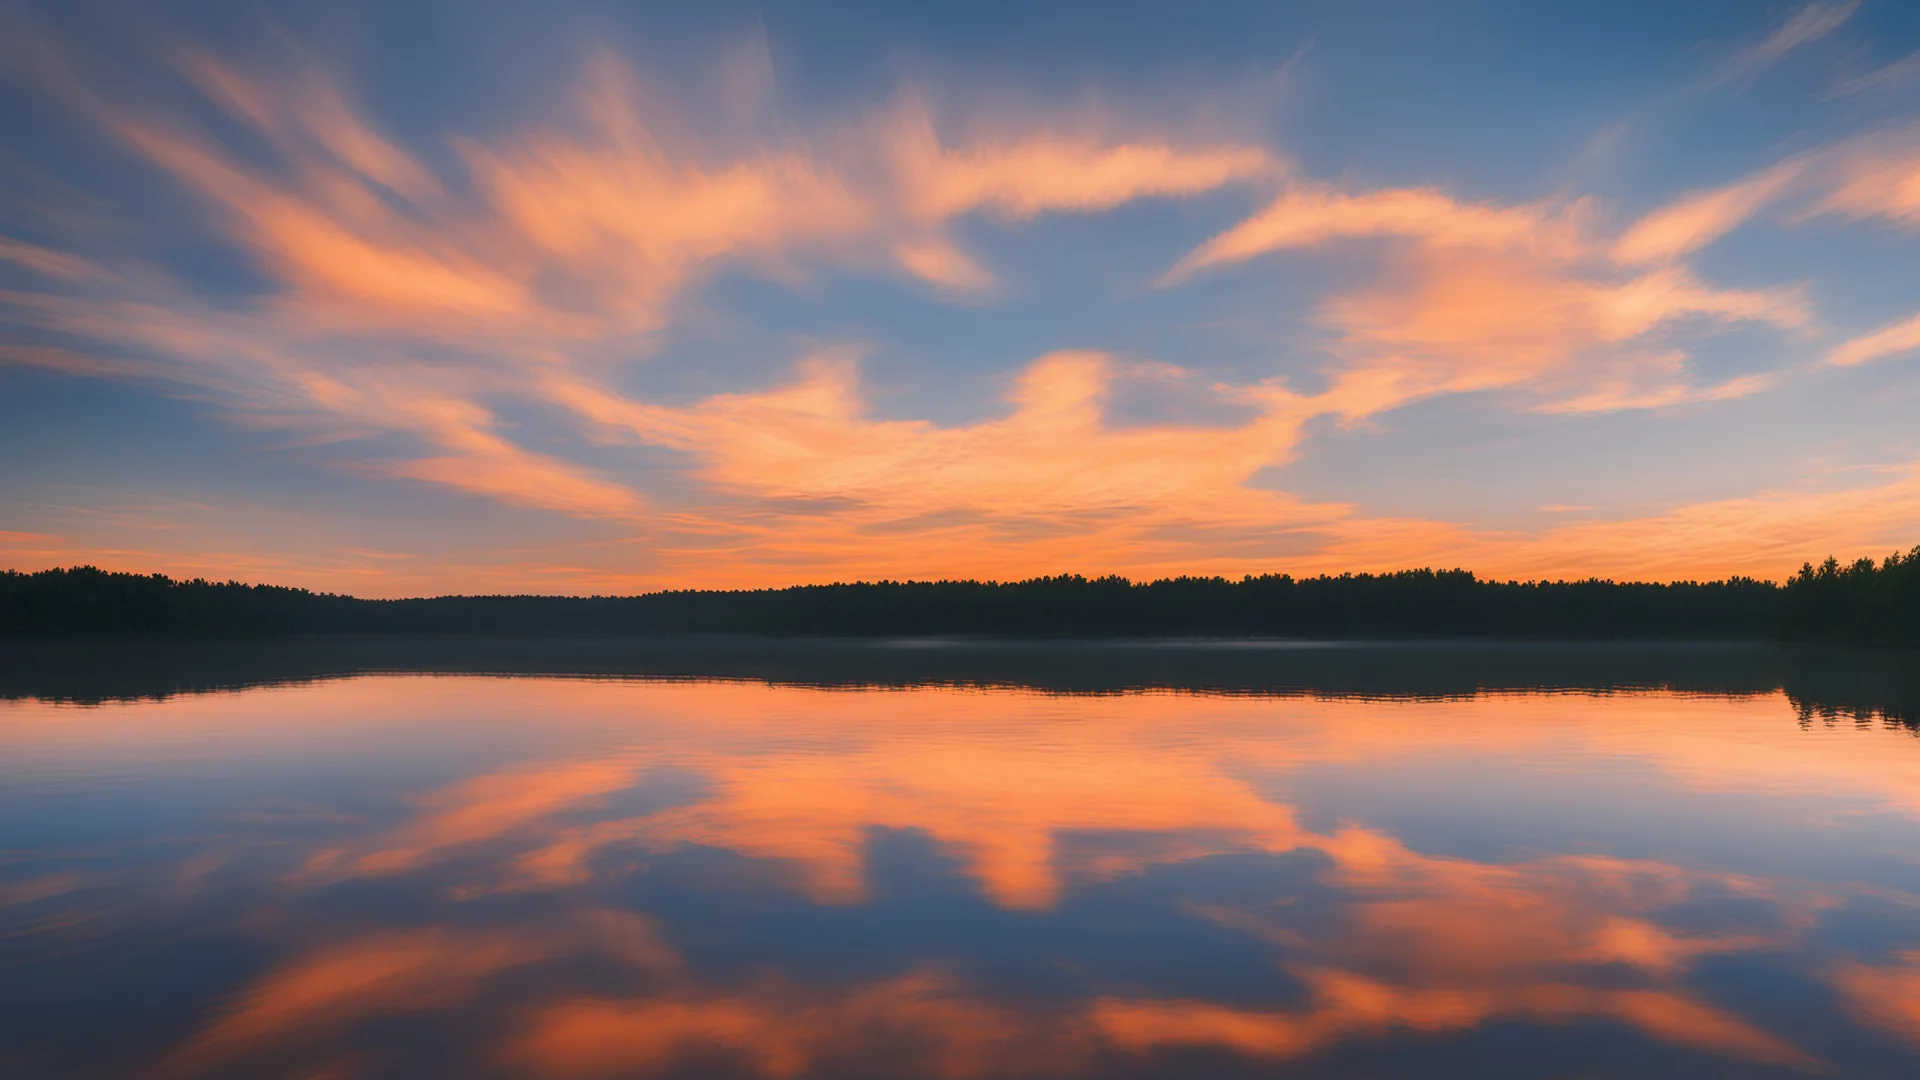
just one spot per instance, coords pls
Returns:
(1821, 683)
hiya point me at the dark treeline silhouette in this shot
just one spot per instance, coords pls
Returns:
(1864, 603)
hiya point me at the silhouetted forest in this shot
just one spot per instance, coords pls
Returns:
(1860, 603)
(1864, 602)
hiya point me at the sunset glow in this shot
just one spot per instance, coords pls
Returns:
(606, 302)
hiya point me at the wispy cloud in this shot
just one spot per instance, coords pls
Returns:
(1697, 219)
(1803, 27)
(40, 260)
(1308, 214)
(1887, 77)
(1863, 178)
(1900, 337)
(1479, 296)
(1859, 178)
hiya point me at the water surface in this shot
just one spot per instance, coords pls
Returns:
(404, 859)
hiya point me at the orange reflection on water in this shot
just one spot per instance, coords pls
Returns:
(1037, 797)
(1346, 1006)
(1886, 995)
(483, 808)
(932, 1024)
(328, 989)
(1000, 778)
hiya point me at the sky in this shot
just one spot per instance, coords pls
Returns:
(403, 298)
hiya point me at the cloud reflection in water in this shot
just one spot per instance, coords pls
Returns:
(561, 877)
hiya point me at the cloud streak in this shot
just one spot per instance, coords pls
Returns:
(1803, 27)
(1478, 297)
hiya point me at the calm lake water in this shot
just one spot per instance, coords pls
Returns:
(916, 859)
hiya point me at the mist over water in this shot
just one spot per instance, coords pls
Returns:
(890, 859)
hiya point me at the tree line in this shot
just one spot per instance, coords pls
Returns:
(1862, 602)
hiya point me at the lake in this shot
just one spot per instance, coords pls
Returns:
(932, 859)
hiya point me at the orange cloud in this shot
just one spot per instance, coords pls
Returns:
(1021, 177)
(1030, 175)
(1698, 219)
(1900, 337)
(483, 462)
(1481, 297)
(626, 221)
(332, 238)
(1458, 323)
(1054, 454)
(1866, 176)
(1874, 176)
(305, 112)
(1052, 478)
(1308, 215)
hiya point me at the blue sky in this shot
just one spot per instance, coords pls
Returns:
(429, 298)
